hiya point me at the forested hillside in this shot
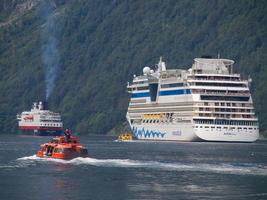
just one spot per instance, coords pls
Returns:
(97, 46)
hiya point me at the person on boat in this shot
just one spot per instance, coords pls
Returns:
(67, 135)
(49, 150)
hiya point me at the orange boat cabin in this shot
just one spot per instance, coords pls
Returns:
(59, 148)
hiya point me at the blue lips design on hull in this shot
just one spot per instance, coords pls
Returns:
(147, 133)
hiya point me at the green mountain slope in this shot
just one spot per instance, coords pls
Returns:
(103, 43)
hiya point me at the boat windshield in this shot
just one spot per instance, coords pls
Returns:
(62, 150)
(58, 150)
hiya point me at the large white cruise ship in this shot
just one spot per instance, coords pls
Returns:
(207, 102)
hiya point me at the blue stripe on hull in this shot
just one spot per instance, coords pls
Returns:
(174, 92)
(139, 95)
(162, 93)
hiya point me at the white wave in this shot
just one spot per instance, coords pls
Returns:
(33, 157)
(239, 169)
(7, 166)
(200, 167)
(38, 159)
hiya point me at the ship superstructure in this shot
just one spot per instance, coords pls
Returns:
(208, 102)
(40, 120)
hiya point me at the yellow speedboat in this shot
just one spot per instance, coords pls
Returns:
(125, 137)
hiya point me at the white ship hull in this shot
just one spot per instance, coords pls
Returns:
(165, 132)
(188, 134)
(227, 135)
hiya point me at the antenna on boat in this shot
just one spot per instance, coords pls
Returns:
(249, 80)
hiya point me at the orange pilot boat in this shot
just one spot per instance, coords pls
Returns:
(59, 148)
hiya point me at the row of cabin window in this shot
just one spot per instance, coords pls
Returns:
(232, 128)
(50, 124)
(224, 98)
(228, 115)
(226, 110)
(226, 122)
(220, 92)
(227, 104)
(162, 86)
(151, 121)
(220, 84)
(54, 120)
(221, 78)
(172, 85)
(157, 121)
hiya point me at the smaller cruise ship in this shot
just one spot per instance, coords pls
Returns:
(40, 121)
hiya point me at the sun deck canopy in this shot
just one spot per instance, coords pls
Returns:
(212, 66)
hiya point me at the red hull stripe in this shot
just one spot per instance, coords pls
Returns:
(39, 128)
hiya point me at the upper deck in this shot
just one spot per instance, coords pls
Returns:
(39, 113)
(202, 69)
(212, 66)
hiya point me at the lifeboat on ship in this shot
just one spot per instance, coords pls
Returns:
(59, 148)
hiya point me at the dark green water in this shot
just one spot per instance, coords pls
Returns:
(134, 170)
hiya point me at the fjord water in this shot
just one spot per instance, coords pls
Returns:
(134, 170)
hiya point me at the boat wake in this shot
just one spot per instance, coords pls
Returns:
(237, 168)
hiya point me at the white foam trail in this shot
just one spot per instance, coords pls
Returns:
(38, 159)
(240, 169)
(33, 157)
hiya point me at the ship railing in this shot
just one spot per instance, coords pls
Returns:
(51, 120)
(215, 79)
(226, 93)
(221, 93)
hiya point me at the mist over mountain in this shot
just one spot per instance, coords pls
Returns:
(97, 46)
